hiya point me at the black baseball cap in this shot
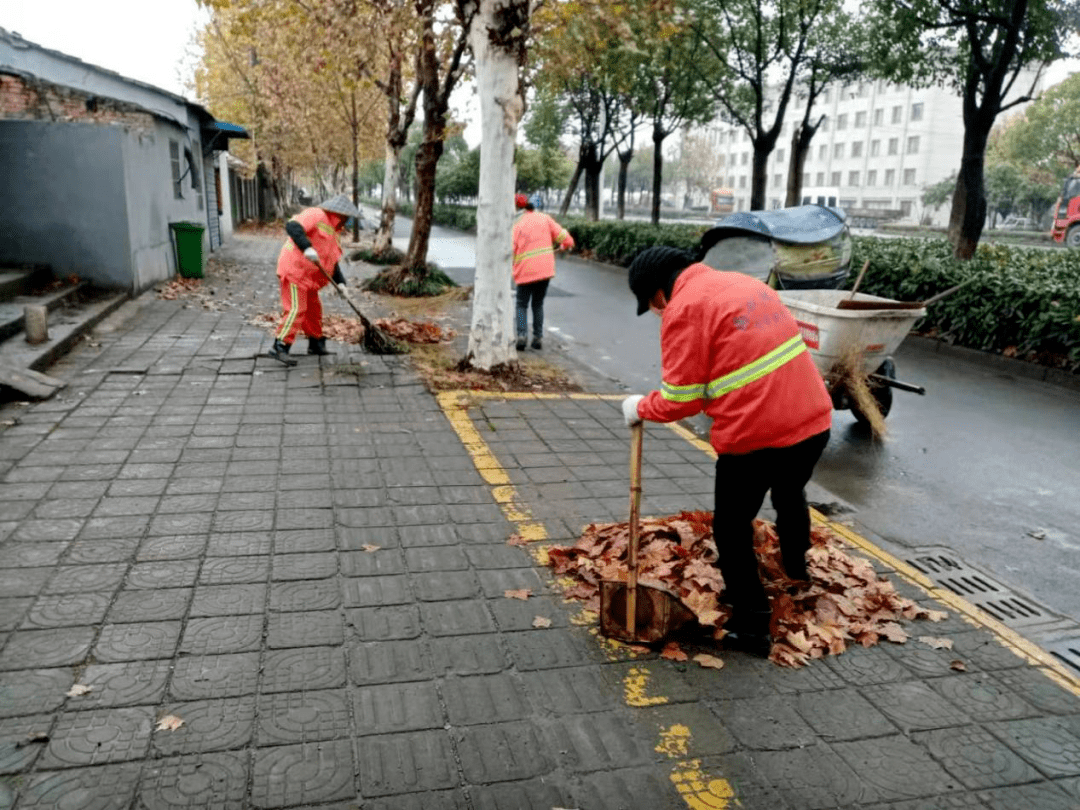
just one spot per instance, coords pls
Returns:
(653, 269)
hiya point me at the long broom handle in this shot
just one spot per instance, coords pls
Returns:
(636, 434)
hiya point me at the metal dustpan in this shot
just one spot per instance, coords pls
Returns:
(640, 614)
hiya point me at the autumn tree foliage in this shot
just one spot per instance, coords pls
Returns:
(991, 52)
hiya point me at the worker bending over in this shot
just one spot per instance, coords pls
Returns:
(730, 348)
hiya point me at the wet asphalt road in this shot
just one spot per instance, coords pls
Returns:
(985, 466)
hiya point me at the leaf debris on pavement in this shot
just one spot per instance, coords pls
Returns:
(541, 621)
(169, 722)
(845, 602)
(518, 593)
(78, 690)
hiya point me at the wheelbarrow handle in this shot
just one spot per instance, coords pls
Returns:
(636, 440)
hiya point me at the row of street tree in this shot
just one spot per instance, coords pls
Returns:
(325, 84)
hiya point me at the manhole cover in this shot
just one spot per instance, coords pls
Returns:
(1066, 651)
(986, 593)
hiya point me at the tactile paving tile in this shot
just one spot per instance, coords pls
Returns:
(429, 800)
(384, 623)
(389, 661)
(406, 763)
(303, 717)
(445, 585)
(36, 531)
(222, 634)
(228, 600)
(976, 758)
(479, 699)
(303, 774)
(842, 714)
(376, 591)
(570, 691)
(163, 574)
(193, 523)
(982, 696)
(551, 648)
(456, 618)
(183, 547)
(13, 609)
(111, 787)
(239, 544)
(707, 735)
(1043, 795)
(320, 594)
(16, 754)
(495, 582)
(913, 705)
(624, 789)
(303, 668)
(216, 780)
(867, 665)
(436, 558)
(209, 725)
(30, 691)
(46, 648)
(23, 581)
(583, 742)
(516, 614)
(227, 570)
(765, 723)
(135, 683)
(892, 768)
(811, 777)
(984, 650)
(314, 565)
(150, 606)
(1036, 688)
(66, 610)
(392, 708)
(372, 563)
(97, 737)
(31, 555)
(83, 578)
(1046, 742)
(137, 641)
(211, 676)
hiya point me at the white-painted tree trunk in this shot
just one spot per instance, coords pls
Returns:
(491, 337)
(384, 237)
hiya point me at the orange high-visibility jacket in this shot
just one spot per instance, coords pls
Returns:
(534, 254)
(732, 349)
(294, 268)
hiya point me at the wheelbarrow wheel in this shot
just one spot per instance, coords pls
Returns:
(882, 394)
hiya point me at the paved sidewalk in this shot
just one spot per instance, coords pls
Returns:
(308, 566)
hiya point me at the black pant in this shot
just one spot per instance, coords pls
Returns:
(741, 484)
(536, 291)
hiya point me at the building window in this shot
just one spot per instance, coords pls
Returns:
(779, 155)
(864, 89)
(856, 148)
(894, 146)
(835, 178)
(875, 148)
(806, 178)
(913, 145)
(905, 207)
(909, 177)
(879, 116)
(174, 157)
(742, 181)
(731, 181)
(860, 120)
(916, 111)
(897, 114)
(838, 150)
(841, 121)
(745, 155)
(777, 180)
(820, 180)
(871, 177)
(853, 178)
(890, 177)
(825, 95)
(822, 152)
(824, 124)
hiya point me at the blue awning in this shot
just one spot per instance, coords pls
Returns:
(225, 129)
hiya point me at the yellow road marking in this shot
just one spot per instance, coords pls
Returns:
(635, 686)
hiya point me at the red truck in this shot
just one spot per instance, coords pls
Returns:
(1067, 213)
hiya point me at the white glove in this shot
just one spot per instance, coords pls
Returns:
(629, 410)
(312, 256)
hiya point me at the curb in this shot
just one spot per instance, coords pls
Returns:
(1008, 365)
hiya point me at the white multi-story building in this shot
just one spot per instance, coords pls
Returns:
(880, 146)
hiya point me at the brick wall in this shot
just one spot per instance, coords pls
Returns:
(26, 98)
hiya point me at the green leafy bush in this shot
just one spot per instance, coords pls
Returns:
(1018, 302)
(617, 242)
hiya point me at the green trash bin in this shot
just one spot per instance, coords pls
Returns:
(188, 237)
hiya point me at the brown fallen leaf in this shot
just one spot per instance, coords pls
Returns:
(78, 690)
(541, 621)
(937, 643)
(370, 547)
(520, 593)
(894, 633)
(169, 722)
(958, 665)
(709, 661)
(673, 652)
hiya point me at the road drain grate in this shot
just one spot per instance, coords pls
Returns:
(1066, 651)
(986, 593)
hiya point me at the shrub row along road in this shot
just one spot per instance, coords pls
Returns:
(984, 466)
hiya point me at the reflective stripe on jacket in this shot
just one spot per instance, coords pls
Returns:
(732, 349)
(535, 235)
(294, 268)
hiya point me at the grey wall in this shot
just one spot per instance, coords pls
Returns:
(64, 200)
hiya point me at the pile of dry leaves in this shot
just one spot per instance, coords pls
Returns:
(845, 603)
(349, 330)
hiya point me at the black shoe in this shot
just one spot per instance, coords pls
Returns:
(318, 346)
(521, 344)
(756, 644)
(280, 352)
(536, 344)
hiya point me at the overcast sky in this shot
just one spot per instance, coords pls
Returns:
(146, 40)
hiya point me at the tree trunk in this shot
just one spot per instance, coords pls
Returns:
(591, 167)
(759, 179)
(624, 169)
(657, 175)
(385, 235)
(968, 215)
(491, 335)
(570, 189)
(427, 159)
(355, 126)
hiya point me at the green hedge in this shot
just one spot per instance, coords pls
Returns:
(1021, 302)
